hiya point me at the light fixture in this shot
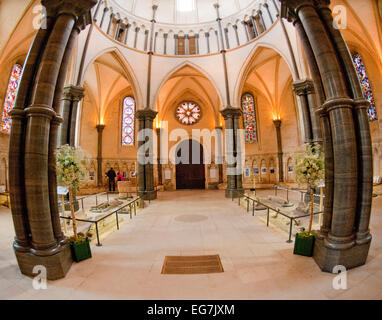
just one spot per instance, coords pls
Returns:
(185, 5)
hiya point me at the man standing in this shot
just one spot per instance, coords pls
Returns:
(111, 175)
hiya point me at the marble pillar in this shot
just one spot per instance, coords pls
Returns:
(304, 90)
(343, 109)
(145, 155)
(280, 154)
(71, 98)
(100, 129)
(234, 174)
(35, 120)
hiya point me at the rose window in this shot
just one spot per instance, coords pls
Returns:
(188, 113)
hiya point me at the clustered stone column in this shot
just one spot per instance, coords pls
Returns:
(344, 238)
(71, 98)
(233, 153)
(33, 141)
(100, 129)
(280, 154)
(146, 156)
(304, 89)
(232, 118)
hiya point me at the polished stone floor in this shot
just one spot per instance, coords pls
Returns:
(257, 261)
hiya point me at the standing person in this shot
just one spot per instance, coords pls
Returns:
(111, 175)
(119, 176)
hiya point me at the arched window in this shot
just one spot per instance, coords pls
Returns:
(365, 84)
(128, 116)
(249, 117)
(10, 97)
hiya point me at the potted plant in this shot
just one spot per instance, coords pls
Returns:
(310, 170)
(70, 173)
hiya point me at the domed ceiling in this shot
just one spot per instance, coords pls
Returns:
(183, 11)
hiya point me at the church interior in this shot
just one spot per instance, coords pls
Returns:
(190, 118)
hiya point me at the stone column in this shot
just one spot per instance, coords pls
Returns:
(245, 29)
(280, 154)
(159, 165)
(207, 35)
(186, 45)
(220, 157)
(112, 15)
(260, 13)
(254, 27)
(126, 33)
(165, 36)
(236, 34)
(100, 129)
(365, 155)
(106, 9)
(266, 6)
(348, 136)
(304, 90)
(71, 97)
(326, 134)
(38, 238)
(146, 157)
(136, 37)
(226, 37)
(176, 44)
(17, 140)
(119, 21)
(197, 43)
(234, 174)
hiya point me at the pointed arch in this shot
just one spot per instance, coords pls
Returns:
(176, 69)
(129, 73)
(248, 64)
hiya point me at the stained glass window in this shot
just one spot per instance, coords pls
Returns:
(249, 117)
(10, 98)
(128, 114)
(365, 84)
(188, 113)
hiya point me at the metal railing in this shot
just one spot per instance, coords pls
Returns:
(277, 211)
(132, 205)
(302, 193)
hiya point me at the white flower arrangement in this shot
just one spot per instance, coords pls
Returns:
(70, 169)
(310, 169)
(71, 166)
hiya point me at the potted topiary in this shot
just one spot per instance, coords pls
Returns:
(310, 170)
(70, 173)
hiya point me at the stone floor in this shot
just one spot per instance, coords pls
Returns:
(257, 261)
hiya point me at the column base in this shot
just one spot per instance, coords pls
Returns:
(148, 195)
(327, 258)
(234, 193)
(57, 265)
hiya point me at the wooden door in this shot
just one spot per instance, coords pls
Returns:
(190, 172)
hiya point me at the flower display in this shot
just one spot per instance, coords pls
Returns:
(310, 169)
(70, 166)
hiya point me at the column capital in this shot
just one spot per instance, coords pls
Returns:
(73, 93)
(302, 87)
(230, 112)
(146, 114)
(77, 8)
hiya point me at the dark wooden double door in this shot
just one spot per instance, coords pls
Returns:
(190, 172)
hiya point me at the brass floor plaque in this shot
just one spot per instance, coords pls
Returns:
(192, 265)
